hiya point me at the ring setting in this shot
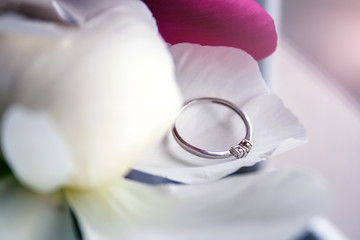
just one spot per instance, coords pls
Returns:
(242, 149)
(238, 151)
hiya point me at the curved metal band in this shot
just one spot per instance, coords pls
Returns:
(238, 151)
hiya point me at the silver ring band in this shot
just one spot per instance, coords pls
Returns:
(238, 151)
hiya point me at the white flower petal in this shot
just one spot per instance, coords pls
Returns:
(18, 51)
(109, 86)
(36, 151)
(264, 206)
(28, 216)
(276, 129)
(233, 75)
(223, 72)
(83, 10)
(13, 23)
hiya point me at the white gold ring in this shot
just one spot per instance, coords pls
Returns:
(240, 150)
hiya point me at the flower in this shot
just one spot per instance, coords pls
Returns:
(80, 105)
(84, 97)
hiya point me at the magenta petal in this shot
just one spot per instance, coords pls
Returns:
(234, 23)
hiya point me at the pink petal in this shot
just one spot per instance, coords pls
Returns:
(241, 24)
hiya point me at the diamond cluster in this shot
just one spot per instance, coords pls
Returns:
(242, 149)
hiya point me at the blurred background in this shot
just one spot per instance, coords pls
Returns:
(316, 71)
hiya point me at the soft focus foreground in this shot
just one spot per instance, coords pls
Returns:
(83, 95)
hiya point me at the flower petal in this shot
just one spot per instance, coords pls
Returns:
(83, 10)
(13, 23)
(276, 129)
(241, 24)
(264, 206)
(230, 74)
(37, 153)
(108, 85)
(221, 72)
(40, 9)
(26, 215)
(67, 12)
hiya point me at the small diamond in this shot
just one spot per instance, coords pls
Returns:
(247, 144)
(242, 149)
(238, 151)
